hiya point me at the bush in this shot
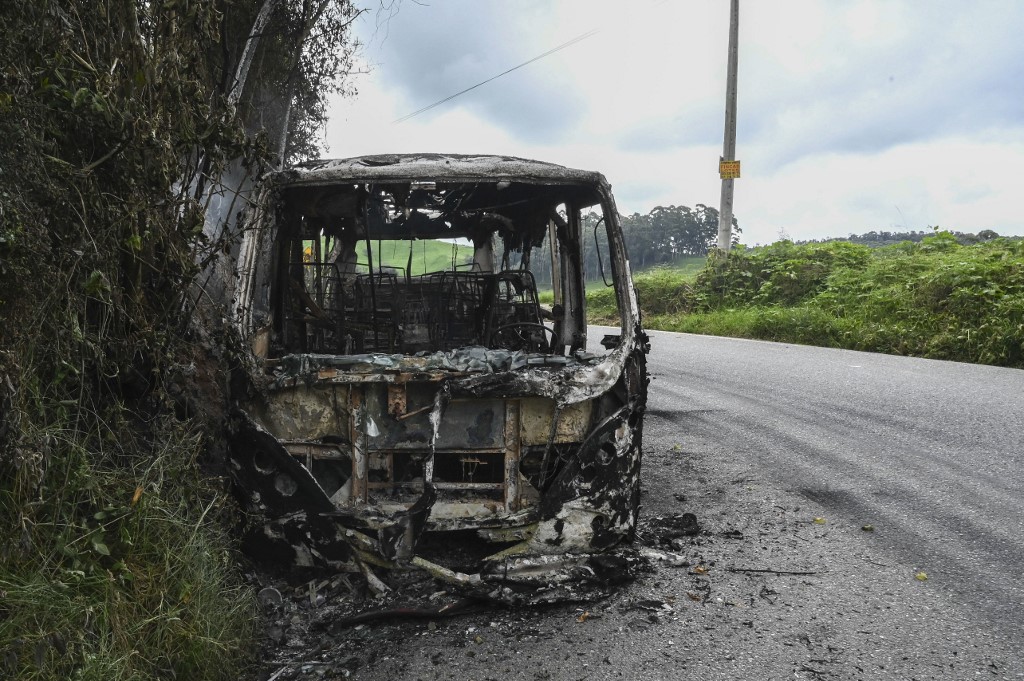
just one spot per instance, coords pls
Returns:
(115, 563)
(782, 273)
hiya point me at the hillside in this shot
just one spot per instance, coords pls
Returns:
(424, 256)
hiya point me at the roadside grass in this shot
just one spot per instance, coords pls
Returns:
(116, 564)
(662, 290)
(802, 325)
(936, 299)
(659, 283)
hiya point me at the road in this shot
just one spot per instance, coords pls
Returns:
(931, 454)
(862, 517)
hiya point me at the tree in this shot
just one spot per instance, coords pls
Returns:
(666, 233)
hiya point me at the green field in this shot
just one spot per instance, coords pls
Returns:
(427, 255)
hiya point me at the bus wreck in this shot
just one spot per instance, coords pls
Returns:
(407, 381)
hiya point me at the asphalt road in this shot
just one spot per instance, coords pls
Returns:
(785, 454)
(931, 453)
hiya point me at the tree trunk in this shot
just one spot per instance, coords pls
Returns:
(253, 41)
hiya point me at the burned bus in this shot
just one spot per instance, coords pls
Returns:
(421, 365)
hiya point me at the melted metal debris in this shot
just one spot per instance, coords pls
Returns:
(472, 359)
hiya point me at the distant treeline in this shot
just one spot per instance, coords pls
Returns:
(661, 236)
(884, 238)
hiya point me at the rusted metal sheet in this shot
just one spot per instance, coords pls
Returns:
(358, 436)
(513, 442)
(397, 399)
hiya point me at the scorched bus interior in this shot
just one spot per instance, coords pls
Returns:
(426, 267)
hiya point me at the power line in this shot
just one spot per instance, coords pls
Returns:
(564, 45)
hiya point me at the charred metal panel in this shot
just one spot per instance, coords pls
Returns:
(513, 444)
(538, 413)
(305, 412)
(476, 424)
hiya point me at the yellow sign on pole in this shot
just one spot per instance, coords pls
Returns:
(729, 170)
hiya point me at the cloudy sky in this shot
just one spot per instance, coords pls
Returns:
(852, 115)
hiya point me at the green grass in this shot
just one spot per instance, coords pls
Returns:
(661, 290)
(119, 571)
(687, 266)
(660, 283)
(935, 298)
(427, 255)
(792, 325)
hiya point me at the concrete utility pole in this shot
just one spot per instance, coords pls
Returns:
(729, 167)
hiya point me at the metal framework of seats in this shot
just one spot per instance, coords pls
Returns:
(388, 312)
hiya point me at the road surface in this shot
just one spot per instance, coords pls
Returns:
(929, 453)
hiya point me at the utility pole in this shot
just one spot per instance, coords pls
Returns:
(728, 166)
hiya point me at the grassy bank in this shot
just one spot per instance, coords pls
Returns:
(936, 298)
(121, 570)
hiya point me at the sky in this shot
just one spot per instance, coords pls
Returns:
(852, 115)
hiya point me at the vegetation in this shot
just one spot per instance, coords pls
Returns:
(663, 237)
(877, 238)
(936, 298)
(122, 570)
(426, 256)
(121, 121)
